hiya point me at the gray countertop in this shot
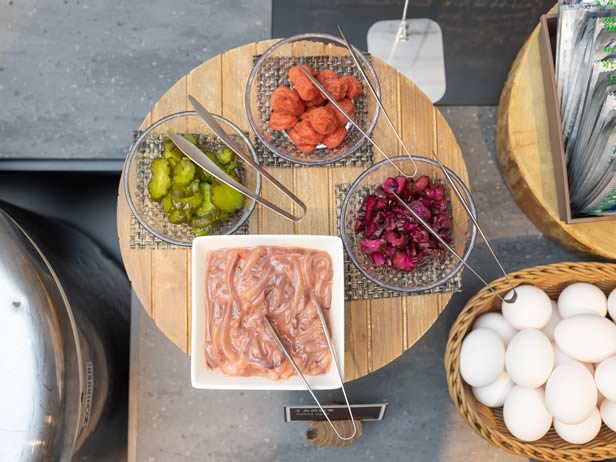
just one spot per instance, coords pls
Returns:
(171, 421)
(78, 76)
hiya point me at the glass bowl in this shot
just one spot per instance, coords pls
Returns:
(319, 51)
(137, 174)
(434, 271)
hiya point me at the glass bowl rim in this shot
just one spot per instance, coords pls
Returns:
(473, 237)
(367, 67)
(133, 150)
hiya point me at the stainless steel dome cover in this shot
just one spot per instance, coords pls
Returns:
(40, 366)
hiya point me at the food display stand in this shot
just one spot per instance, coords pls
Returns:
(377, 330)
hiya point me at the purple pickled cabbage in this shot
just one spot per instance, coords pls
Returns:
(380, 203)
(391, 221)
(369, 204)
(441, 222)
(436, 193)
(390, 185)
(403, 183)
(409, 227)
(359, 224)
(388, 250)
(380, 193)
(402, 261)
(377, 258)
(389, 233)
(370, 245)
(420, 236)
(421, 210)
(374, 230)
(422, 183)
(395, 239)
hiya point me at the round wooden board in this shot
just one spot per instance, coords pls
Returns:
(524, 154)
(377, 331)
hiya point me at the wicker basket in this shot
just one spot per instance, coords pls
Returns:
(489, 422)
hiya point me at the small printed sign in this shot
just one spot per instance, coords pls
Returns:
(365, 412)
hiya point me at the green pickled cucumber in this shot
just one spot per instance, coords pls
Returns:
(226, 198)
(191, 202)
(202, 231)
(191, 195)
(160, 182)
(206, 206)
(183, 173)
(168, 204)
(226, 156)
(178, 216)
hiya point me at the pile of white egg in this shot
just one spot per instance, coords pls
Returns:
(547, 363)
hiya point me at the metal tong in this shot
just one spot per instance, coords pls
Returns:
(198, 157)
(450, 180)
(270, 329)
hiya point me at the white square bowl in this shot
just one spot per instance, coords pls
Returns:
(201, 375)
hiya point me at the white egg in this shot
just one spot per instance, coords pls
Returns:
(586, 338)
(582, 298)
(494, 395)
(525, 414)
(605, 377)
(497, 323)
(531, 309)
(608, 414)
(560, 357)
(529, 358)
(571, 394)
(553, 321)
(611, 305)
(482, 357)
(600, 398)
(580, 433)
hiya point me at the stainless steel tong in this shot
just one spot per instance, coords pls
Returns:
(272, 331)
(450, 180)
(198, 157)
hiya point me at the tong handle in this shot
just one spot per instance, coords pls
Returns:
(270, 330)
(211, 122)
(196, 155)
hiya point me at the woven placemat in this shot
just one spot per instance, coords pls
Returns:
(273, 74)
(141, 238)
(358, 287)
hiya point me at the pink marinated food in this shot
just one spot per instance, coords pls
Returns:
(242, 286)
(389, 233)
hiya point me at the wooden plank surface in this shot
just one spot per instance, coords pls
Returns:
(524, 154)
(387, 316)
(170, 284)
(377, 331)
